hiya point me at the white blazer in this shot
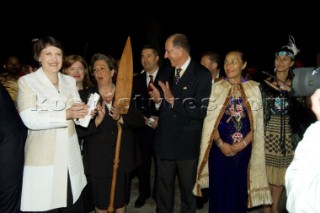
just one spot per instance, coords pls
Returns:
(52, 150)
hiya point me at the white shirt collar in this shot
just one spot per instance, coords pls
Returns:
(186, 64)
(154, 74)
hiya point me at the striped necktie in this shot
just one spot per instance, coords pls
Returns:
(150, 81)
(177, 75)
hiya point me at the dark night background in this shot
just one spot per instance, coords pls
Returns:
(87, 28)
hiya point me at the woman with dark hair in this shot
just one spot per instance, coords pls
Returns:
(232, 160)
(283, 122)
(48, 101)
(100, 139)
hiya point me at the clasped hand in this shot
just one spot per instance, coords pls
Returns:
(231, 150)
(78, 110)
(152, 121)
(113, 113)
(228, 149)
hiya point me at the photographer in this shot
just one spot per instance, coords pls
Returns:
(302, 179)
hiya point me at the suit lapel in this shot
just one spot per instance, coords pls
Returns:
(48, 87)
(144, 83)
(184, 82)
(171, 80)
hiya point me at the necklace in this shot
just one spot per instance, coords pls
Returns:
(54, 79)
(282, 84)
(109, 95)
(235, 110)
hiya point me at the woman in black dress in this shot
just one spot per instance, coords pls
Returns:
(101, 136)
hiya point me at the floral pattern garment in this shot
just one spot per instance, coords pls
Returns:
(228, 175)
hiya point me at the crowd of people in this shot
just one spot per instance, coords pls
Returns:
(226, 138)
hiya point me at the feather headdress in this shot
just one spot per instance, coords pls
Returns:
(290, 49)
(292, 46)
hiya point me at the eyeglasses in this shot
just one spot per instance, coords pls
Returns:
(73, 69)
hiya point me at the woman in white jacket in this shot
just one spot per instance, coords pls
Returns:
(47, 102)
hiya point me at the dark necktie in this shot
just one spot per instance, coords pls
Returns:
(177, 75)
(150, 81)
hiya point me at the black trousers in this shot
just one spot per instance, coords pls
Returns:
(145, 139)
(168, 170)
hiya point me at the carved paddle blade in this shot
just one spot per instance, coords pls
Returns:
(124, 79)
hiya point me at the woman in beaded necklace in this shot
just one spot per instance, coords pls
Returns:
(232, 159)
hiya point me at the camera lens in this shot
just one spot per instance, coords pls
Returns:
(306, 80)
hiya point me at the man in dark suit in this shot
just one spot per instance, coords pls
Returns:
(182, 101)
(13, 136)
(145, 135)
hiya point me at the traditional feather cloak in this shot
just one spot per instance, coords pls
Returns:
(258, 190)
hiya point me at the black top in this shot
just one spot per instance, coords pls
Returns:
(100, 142)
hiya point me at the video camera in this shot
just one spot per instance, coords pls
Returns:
(305, 81)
